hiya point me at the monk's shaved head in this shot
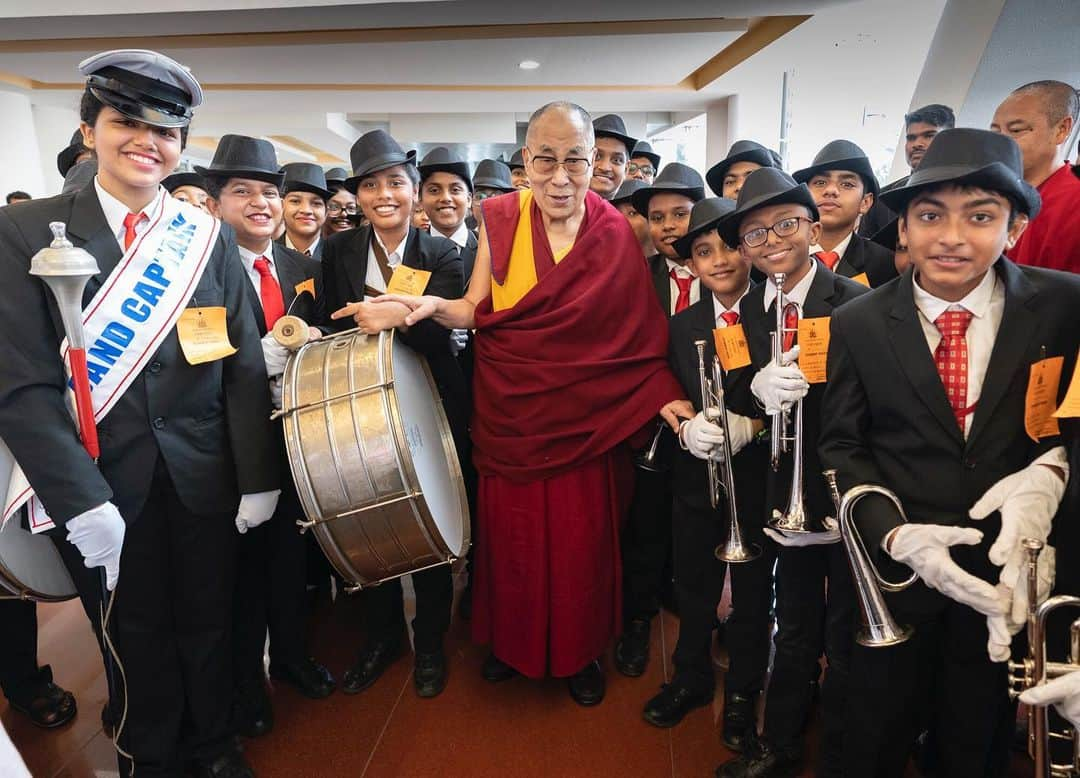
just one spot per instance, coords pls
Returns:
(1058, 98)
(572, 112)
(1040, 117)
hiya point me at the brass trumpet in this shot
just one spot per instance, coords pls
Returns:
(1034, 670)
(877, 628)
(714, 406)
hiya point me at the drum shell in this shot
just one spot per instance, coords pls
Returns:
(31, 567)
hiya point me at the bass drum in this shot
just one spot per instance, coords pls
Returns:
(30, 566)
(372, 457)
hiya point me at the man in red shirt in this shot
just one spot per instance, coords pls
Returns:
(1040, 116)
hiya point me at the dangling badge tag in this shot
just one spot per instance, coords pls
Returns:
(1070, 406)
(814, 348)
(1041, 399)
(731, 347)
(408, 280)
(203, 335)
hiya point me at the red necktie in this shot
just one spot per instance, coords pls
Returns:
(829, 258)
(791, 325)
(129, 228)
(951, 359)
(273, 304)
(682, 302)
(731, 318)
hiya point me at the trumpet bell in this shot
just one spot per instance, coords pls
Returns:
(886, 632)
(734, 553)
(795, 521)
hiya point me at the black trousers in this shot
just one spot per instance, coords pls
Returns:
(171, 621)
(384, 609)
(646, 544)
(271, 592)
(941, 679)
(18, 648)
(815, 614)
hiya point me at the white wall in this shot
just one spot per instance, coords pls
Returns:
(53, 126)
(20, 160)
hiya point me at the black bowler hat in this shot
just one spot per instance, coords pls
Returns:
(238, 156)
(765, 186)
(306, 177)
(643, 149)
(675, 177)
(143, 85)
(970, 157)
(889, 235)
(335, 178)
(493, 174)
(66, 158)
(740, 151)
(177, 180)
(611, 125)
(840, 155)
(375, 151)
(626, 191)
(705, 217)
(516, 160)
(441, 160)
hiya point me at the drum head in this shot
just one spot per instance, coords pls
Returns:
(434, 459)
(30, 565)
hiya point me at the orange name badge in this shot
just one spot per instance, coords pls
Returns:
(1041, 399)
(862, 278)
(408, 280)
(307, 285)
(731, 347)
(203, 335)
(814, 348)
(1070, 406)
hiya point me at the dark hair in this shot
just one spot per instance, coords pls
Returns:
(90, 108)
(18, 194)
(940, 116)
(1059, 99)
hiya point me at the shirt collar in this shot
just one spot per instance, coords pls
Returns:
(719, 309)
(311, 248)
(115, 211)
(841, 247)
(681, 270)
(977, 301)
(395, 256)
(796, 295)
(249, 257)
(460, 236)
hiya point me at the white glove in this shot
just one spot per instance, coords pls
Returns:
(1062, 692)
(1013, 589)
(256, 509)
(459, 339)
(99, 535)
(274, 355)
(778, 387)
(701, 437)
(275, 392)
(925, 549)
(800, 539)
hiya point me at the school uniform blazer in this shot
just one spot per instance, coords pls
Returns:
(207, 422)
(468, 256)
(890, 423)
(344, 267)
(827, 292)
(865, 256)
(315, 255)
(879, 214)
(690, 477)
(661, 277)
(293, 269)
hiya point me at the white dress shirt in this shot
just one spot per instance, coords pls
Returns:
(721, 310)
(460, 236)
(683, 272)
(841, 247)
(987, 304)
(247, 259)
(310, 249)
(115, 212)
(797, 295)
(394, 258)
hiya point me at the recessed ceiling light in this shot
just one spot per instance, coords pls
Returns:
(529, 64)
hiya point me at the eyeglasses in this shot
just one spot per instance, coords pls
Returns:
(574, 166)
(335, 208)
(647, 170)
(782, 229)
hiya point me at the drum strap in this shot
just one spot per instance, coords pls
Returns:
(380, 257)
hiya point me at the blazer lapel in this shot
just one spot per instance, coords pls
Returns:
(853, 262)
(820, 297)
(909, 344)
(412, 256)
(289, 275)
(356, 261)
(662, 282)
(88, 229)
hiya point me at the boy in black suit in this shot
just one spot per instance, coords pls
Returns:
(775, 224)
(355, 263)
(698, 528)
(930, 395)
(844, 188)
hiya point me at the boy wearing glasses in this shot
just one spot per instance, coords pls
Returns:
(341, 208)
(644, 162)
(492, 178)
(774, 224)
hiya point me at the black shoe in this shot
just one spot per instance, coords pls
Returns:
(496, 670)
(740, 721)
(252, 713)
(308, 676)
(672, 704)
(373, 661)
(587, 685)
(761, 761)
(632, 649)
(42, 701)
(429, 673)
(231, 764)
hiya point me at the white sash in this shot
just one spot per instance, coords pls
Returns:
(131, 314)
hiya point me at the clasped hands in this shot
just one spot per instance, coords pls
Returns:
(382, 313)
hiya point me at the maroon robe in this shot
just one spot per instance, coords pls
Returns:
(1052, 239)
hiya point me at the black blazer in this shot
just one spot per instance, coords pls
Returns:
(207, 422)
(890, 423)
(865, 256)
(344, 267)
(827, 292)
(879, 214)
(316, 254)
(690, 478)
(293, 269)
(468, 256)
(661, 277)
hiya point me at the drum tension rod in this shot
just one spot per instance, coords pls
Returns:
(327, 400)
(309, 524)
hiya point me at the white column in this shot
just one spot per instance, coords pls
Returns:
(20, 161)
(721, 124)
(53, 126)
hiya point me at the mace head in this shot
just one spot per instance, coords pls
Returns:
(60, 259)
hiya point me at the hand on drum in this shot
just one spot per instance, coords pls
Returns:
(375, 316)
(420, 308)
(677, 411)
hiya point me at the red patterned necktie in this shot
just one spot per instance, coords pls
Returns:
(791, 325)
(130, 234)
(829, 258)
(273, 304)
(682, 302)
(731, 318)
(951, 359)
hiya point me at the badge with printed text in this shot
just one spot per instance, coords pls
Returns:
(731, 347)
(204, 335)
(814, 348)
(1041, 399)
(408, 280)
(1070, 406)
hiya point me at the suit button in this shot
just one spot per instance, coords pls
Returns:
(159, 423)
(969, 464)
(154, 368)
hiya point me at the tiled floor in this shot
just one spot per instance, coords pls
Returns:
(518, 729)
